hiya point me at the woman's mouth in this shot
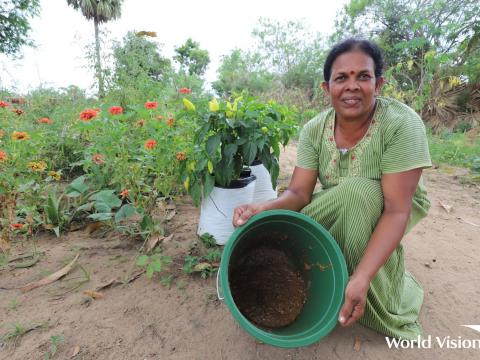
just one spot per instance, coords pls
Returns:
(351, 101)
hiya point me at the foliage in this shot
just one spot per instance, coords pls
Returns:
(428, 45)
(191, 58)
(55, 341)
(230, 135)
(138, 61)
(153, 263)
(100, 11)
(14, 24)
(455, 148)
(240, 71)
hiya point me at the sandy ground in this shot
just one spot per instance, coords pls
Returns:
(145, 320)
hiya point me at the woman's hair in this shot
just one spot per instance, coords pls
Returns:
(367, 46)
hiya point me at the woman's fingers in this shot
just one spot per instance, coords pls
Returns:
(345, 312)
(244, 216)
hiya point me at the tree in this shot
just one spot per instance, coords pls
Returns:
(191, 58)
(100, 11)
(429, 46)
(14, 25)
(242, 71)
(138, 58)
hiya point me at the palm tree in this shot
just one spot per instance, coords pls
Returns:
(100, 11)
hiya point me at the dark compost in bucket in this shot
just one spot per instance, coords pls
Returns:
(266, 283)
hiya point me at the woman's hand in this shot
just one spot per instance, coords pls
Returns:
(242, 213)
(355, 299)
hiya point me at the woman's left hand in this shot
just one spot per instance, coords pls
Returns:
(355, 299)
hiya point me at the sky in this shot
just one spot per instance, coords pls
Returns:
(62, 34)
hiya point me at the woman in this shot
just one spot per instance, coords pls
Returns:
(368, 153)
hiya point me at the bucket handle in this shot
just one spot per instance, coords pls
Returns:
(218, 286)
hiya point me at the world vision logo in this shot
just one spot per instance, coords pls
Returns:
(442, 342)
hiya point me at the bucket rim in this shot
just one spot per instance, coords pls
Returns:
(285, 341)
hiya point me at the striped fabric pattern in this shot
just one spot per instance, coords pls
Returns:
(351, 202)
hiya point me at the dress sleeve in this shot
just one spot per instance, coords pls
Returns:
(307, 154)
(406, 147)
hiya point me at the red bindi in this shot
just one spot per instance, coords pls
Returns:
(352, 72)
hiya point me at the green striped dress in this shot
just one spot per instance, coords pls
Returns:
(351, 202)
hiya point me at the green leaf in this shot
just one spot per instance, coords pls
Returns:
(101, 216)
(142, 260)
(275, 169)
(230, 150)
(249, 152)
(213, 143)
(52, 209)
(150, 271)
(147, 223)
(77, 187)
(86, 207)
(196, 193)
(209, 183)
(125, 212)
(157, 265)
(106, 200)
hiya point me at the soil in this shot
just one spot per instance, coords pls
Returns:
(144, 319)
(267, 288)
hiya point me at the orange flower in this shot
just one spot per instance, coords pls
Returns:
(88, 114)
(140, 123)
(150, 144)
(159, 117)
(98, 159)
(3, 104)
(185, 90)
(16, 226)
(20, 135)
(2, 133)
(44, 121)
(3, 156)
(18, 111)
(115, 110)
(151, 105)
(181, 156)
(124, 193)
(171, 122)
(37, 166)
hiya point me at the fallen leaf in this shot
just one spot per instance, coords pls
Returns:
(446, 207)
(202, 266)
(94, 294)
(468, 222)
(152, 242)
(170, 215)
(51, 278)
(75, 351)
(93, 226)
(357, 344)
(168, 239)
(171, 206)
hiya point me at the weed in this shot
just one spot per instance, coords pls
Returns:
(166, 281)
(208, 240)
(181, 285)
(55, 341)
(154, 263)
(13, 304)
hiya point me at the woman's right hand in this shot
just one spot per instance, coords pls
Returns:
(242, 213)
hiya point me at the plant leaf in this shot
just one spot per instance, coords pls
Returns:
(125, 212)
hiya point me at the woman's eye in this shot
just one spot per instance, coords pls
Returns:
(365, 77)
(340, 78)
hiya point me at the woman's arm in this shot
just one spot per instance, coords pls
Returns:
(398, 190)
(296, 197)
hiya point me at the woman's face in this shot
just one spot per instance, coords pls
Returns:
(352, 86)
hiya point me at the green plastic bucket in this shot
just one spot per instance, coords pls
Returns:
(306, 242)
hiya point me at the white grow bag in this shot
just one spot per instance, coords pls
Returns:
(263, 187)
(216, 211)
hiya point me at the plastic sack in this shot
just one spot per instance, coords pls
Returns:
(216, 211)
(263, 187)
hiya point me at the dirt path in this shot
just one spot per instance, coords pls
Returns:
(145, 320)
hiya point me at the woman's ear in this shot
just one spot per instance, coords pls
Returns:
(378, 84)
(325, 88)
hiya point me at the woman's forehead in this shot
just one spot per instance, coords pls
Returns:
(353, 61)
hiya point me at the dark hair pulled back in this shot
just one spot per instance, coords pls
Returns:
(368, 47)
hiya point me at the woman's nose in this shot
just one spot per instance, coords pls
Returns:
(352, 84)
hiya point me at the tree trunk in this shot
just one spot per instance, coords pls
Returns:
(98, 66)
